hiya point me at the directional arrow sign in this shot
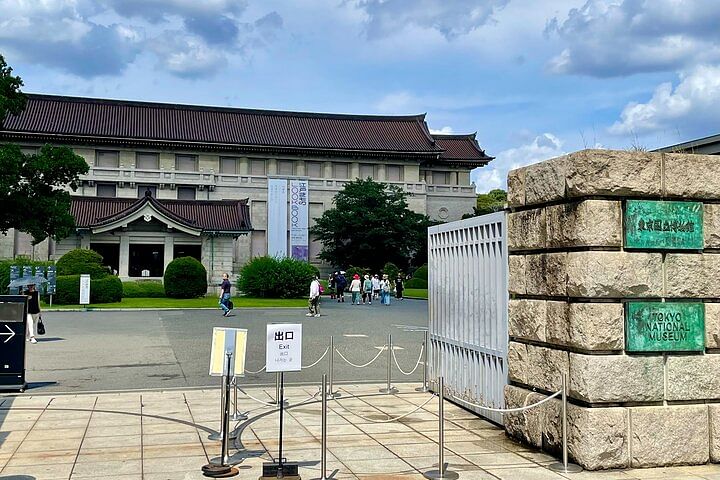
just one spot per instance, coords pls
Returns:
(10, 333)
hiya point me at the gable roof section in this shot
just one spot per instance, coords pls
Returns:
(461, 150)
(87, 120)
(192, 216)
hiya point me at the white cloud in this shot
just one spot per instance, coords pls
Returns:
(607, 38)
(696, 99)
(188, 57)
(443, 131)
(542, 147)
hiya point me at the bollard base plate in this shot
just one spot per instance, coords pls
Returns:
(272, 470)
(570, 468)
(213, 470)
(435, 474)
(238, 417)
(422, 389)
(390, 390)
(218, 437)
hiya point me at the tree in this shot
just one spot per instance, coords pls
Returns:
(370, 225)
(490, 202)
(33, 187)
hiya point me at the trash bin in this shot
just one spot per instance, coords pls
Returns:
(13, 325)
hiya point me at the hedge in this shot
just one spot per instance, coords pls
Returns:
(419, 278)
(143, 289)
(269, 277)
(82, 260)
(185, 277)
(21, 262)
(102, 290)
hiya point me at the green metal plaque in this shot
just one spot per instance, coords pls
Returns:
(664, 225)
(665, 327)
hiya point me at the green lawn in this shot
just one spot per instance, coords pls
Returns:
(204, 302)
(416, 293)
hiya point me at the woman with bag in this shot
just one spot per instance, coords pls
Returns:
(33, 318)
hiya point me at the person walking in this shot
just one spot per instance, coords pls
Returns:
(340, 284)
(33, 316)
(367, 293)
(355, 289)
(399, 288)
(331, 284)
(376, 286)
(385, 290)
(314, 301)
(225, 295)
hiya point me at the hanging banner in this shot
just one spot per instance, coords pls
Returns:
(277, 217)
(299, 219)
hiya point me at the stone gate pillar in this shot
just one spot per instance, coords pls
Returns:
(597, 244)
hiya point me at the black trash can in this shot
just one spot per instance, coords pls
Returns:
(13, 325)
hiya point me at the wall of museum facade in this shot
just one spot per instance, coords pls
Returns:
(573, 278)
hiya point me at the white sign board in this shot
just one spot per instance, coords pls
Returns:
(299, 219)
(284, 347)
(277, 218)
(228, 340)
(84, 289)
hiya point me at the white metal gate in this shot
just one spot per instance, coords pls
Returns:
(468, 298)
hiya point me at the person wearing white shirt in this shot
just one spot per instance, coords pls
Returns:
(314, 301)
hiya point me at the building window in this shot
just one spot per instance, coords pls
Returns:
(187, 251)
(107, 159)
(146, 260)
(186, 193)
(228, 165)
(440, 178)
(314, 169)
(144, 188)
(186, 163)
(29, 150)
(257, 167)
(368, 170)
(341, 171)
(285, 167)
(106, 190)
(147, 161)
(394, 173)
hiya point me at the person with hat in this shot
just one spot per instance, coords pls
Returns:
(355, 289)
(340, 284)
(33, 316)
(385, 288)
(367, 291)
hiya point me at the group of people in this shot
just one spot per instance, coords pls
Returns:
(365, 289)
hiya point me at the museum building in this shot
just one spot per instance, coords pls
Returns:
(180, 180)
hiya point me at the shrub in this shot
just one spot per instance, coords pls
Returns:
(106, 290)
(268, 277)
(351, 271)
(391, 270)
(82, 260)
(416, 283)
(143, 289)
(185, 277)
(21, 262)
(102, 290)
(421, 273)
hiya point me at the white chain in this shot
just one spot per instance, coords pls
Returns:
(318, 360)
(269, 404)
(422, 348)
(382, 349)
(508, 410)
(255, 373)
(394, 419)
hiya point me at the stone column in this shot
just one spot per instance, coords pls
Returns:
(573, 278)
(123, 271)
(169, 244)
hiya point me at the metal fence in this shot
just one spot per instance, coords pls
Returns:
(468, 298)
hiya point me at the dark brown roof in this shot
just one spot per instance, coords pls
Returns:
(206, 215)
(461, 149)
(76, 118)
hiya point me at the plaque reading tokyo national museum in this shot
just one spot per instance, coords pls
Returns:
(665, 327)
(664, 225)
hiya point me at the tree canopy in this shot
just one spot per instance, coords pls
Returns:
(371, 225)
(490, 202)
(33, 187)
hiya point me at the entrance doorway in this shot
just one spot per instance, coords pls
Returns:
(187, 251)
(146, 260)
(110, 253)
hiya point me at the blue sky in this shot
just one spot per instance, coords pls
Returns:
(534, 79)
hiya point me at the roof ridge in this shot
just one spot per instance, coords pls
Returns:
(216, 108)
(459, 136)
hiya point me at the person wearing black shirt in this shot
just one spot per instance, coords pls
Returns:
(33, 312)
(225, 295)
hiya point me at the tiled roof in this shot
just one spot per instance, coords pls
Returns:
(461, 148)
(99, 119)
(207, 215)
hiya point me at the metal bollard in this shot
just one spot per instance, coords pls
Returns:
(389, 388)
(426, 346)
(331, 366)
(277, 388)
(323, 440)
(442, 471)
(223, 397)
(236, 416)
(565, 467)
(226, 413)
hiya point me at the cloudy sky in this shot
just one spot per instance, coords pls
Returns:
(533, 79)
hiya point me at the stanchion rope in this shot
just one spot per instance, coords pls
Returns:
(422, 348)
(382, 349)
(318, 360)
(508, 410)
(394, 419)
(255, 373)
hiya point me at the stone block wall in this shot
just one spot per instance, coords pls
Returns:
(570, 279)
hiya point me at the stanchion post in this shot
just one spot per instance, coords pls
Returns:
(426, 347)
(389, 388)
(225, 458)
(331, 366)
(236, 416)
(565, 467)
(442, 471)
(277, 388)
(323, 440)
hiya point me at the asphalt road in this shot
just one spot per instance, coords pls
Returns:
(99, 351)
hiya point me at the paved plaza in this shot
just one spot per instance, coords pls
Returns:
(111, 350)
(157, 435)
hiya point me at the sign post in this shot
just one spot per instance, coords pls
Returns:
(84, 289)
(52, 282)
(283, 354)
(13, 324)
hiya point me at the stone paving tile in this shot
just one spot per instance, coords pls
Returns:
(39, 458)
(110, 442)
(38, 472)
(108, 454)
(113, 467)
